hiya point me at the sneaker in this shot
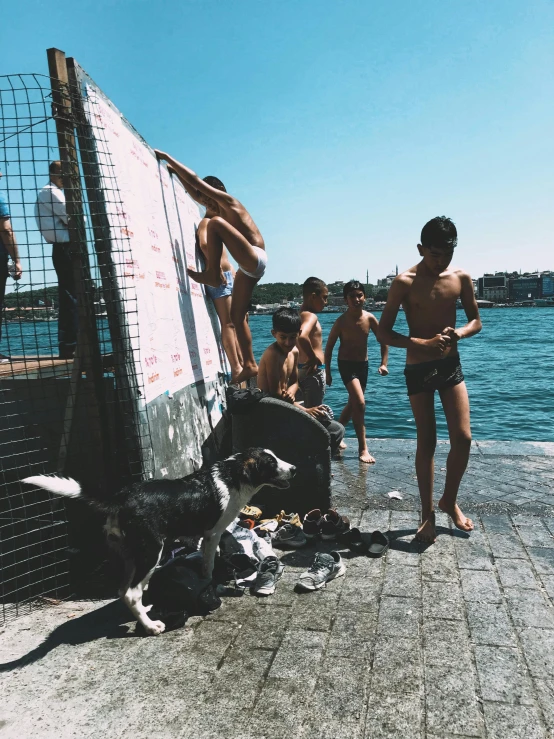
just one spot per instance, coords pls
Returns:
(289, 536)
(250, 511)
(312, 523)
(333, 525)
(292, 518)
(270, 570)
(4, 359)
(325, 567)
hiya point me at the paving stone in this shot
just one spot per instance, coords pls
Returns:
(397, 666)
(545, 695)
(332, 729)
(542, 559)
(442, 566)
(278, 711)
(312, 612)
(403, 553)
(516, 573)
(299, 655)
(530, 608)
(538, 648)
(499, 524)
(503, 721)
(489, 623)
(473, 553)
(393, 716)
(506, 546)
(445, 641)
(535, 535)
(240, 678)
(442, 600)
(548, 583)
(352, 634)
(402, 581)
(399, 617)
(265, 626)
(503, 675)
(375, 520)
(480, 585)
(339, 690)
(361, 593)
(451, 700)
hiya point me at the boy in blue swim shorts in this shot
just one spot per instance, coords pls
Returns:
(229, 224)
(222, 295)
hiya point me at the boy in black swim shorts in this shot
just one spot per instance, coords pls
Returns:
(428, 292)
(352, 328)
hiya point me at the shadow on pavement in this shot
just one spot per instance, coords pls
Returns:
(107, 622)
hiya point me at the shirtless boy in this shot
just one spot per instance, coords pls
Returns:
(311, 375)
(353, 328)
(221, 295)
(278, 371)
(428, 293)
(232, 225)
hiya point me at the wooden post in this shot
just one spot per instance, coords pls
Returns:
(88, 357)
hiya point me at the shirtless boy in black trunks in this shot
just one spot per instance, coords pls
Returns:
(229, 224)
(353, 328)
(428, 292)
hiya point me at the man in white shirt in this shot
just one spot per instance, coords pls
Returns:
(51, 217)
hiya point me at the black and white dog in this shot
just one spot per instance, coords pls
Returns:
(143, 515)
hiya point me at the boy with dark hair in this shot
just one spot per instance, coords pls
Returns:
(311, 375)
(353, 328)
(230, 224)
(278, 370)
(222, 295)
(428, 292)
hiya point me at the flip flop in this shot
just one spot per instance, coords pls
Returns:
(378, 544)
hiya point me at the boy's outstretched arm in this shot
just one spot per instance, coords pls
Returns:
(192, 181)
(334, 334)
(383, 369)
(469, 303)
(397, 293)
(290, 393)
(304, 344)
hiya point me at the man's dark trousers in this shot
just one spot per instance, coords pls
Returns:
(67, 302)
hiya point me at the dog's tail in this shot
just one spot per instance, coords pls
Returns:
(58, 485)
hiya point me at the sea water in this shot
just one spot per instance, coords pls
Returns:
(509, 371)
(508, 367)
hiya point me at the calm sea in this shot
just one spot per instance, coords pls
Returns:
(509, 370)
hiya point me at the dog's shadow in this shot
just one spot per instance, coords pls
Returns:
(107, 622)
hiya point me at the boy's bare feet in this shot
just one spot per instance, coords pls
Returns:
(366, 457)
(248, 371)
(460, 521)
(342, 445)
(213, 278)
(427, 533)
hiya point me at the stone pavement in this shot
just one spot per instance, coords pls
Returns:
(456, 640)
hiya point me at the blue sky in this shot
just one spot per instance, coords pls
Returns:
(342, 126)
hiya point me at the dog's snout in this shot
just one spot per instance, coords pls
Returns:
(292, 470)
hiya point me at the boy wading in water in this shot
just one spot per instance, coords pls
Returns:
(353, 328)
(428, 293)
(229, 224)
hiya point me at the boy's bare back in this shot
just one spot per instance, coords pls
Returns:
(429, 303)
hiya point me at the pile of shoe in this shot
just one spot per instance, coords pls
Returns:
(328, 526)
(289, 533)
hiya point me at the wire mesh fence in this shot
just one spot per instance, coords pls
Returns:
(111, 362)
(68, 388)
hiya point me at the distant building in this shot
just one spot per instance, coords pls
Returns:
(387, 281)
(531, 287)
(493, 287)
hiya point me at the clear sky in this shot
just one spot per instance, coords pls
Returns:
(342, 125)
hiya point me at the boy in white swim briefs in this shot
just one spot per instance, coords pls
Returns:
(229, 224)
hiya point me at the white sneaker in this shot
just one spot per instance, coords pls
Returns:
(325, 567)
(4, 359)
